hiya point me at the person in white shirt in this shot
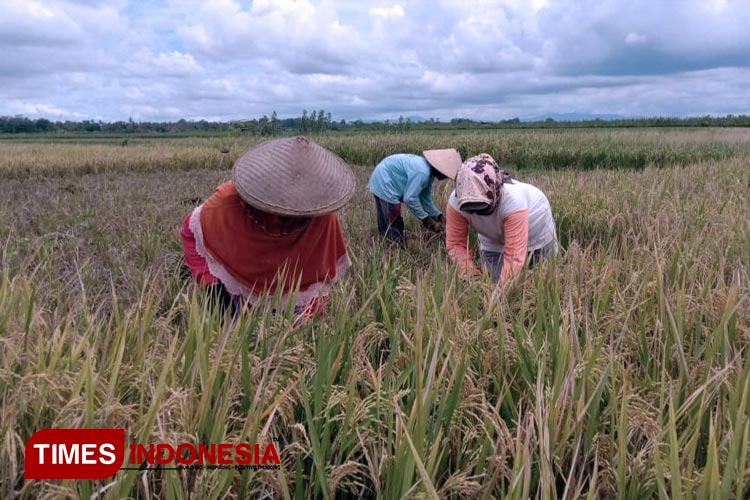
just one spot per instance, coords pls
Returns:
(512, 219)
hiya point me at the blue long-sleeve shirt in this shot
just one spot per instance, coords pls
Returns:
(405, 178)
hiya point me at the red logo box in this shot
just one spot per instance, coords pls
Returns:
(74, 454)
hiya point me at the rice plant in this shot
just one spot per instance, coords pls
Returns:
(620, 369)
(517, 149)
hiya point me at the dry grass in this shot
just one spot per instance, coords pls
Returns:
(519, 149)
(620, 369)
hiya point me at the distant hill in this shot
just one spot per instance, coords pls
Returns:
(392, 119)
(574, 117)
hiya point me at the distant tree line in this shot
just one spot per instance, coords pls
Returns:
(321, 121)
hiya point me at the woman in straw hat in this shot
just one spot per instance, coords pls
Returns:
(408, 178)
(273, 225)
(513, 219)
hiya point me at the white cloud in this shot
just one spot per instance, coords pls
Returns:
(42, 110)
(39, 11)
(299, 36)
(635, 38)
(164, 64)
(386, 12)
(446, 58)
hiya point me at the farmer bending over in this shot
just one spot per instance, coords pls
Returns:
(513, 219)
(273, 225)
(408, 178)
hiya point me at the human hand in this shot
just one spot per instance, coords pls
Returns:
(471, 274)
(431, 224)
(467, 271)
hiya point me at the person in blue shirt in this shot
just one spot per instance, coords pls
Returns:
(408, 178)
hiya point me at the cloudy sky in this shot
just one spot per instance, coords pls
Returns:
(485, 59)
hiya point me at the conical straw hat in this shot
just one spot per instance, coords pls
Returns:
(447, 161)
(294, 177)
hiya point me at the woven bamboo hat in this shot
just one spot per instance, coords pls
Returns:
(294, 177)
(447, 161)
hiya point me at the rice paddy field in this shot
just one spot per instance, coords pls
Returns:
(618, 370)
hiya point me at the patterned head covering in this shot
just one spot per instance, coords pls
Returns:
(479, 184)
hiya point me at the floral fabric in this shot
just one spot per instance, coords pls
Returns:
(480, 180)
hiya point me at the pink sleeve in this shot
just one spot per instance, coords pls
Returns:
(197, 264)
(457, 242)
(516, 230)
